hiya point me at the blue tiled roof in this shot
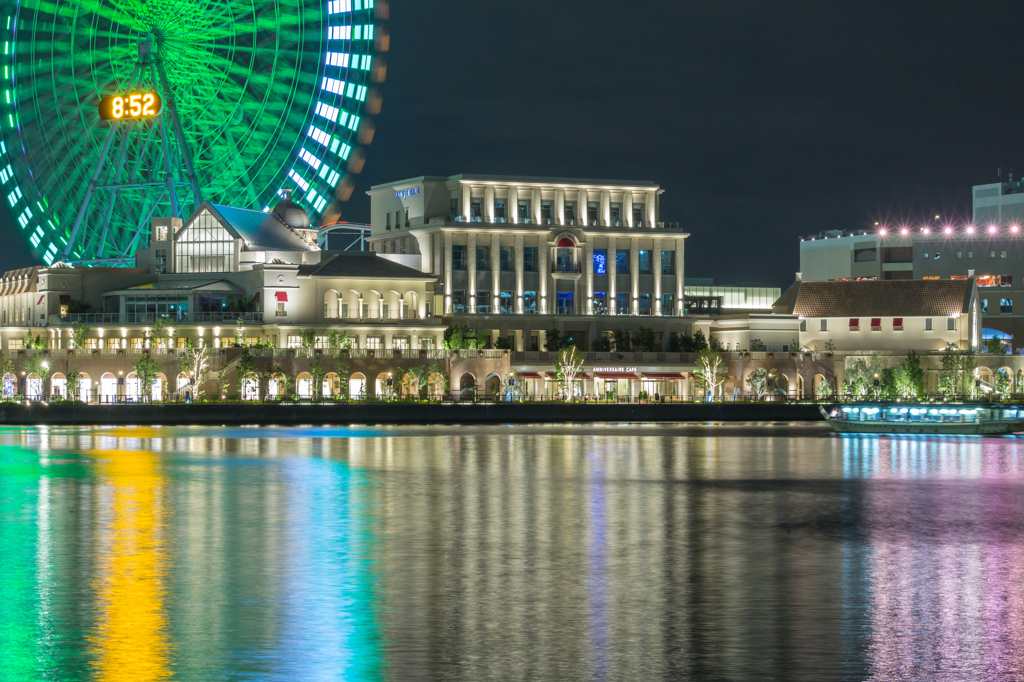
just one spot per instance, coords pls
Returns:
(262, 230)
(364, 264)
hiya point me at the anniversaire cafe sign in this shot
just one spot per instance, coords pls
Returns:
(615, 370)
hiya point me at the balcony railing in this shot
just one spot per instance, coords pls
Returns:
(567, 267)
(613, 223)
(555, 310)
(227, 317)
(608, 357)
(406, 315)
(91, 318)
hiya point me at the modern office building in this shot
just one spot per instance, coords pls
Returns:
(518, 256)
(990, 249)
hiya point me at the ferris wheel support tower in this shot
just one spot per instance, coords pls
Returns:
(111, 178)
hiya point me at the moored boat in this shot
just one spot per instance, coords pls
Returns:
(904, 418)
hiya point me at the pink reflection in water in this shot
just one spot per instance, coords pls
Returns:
(945, 561)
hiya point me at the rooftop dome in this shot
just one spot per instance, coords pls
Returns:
(293, 215)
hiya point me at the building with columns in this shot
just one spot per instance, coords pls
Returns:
(228, 278)
(516, 256)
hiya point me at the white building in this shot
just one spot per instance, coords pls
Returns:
(221, 265)
(849, 316)
(511, 250)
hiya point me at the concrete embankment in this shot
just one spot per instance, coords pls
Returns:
(286, 414)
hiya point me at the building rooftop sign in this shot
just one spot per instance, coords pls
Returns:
(406, 193)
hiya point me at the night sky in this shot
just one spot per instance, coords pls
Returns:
(762, 121)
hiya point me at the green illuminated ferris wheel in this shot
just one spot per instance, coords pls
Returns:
(117, 111)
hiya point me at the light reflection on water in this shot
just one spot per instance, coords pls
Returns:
(508, 553)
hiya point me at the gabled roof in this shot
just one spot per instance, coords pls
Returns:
(261, 231)
(364, 264)
(878, 298)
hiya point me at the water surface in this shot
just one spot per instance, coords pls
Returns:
(509, 552)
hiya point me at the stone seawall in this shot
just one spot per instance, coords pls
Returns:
(398, 413)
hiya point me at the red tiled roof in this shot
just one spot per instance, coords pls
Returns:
(878, 298)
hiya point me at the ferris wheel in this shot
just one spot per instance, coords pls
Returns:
(117, 111)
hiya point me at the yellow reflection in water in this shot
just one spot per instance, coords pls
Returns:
(130, 640)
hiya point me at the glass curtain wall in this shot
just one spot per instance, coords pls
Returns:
(205, 246)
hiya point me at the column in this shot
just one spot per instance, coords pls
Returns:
(519, 274)
(471, 268)
(634, 275)
(606, 207)
(680, 281)
(656, 270)
(489, 203)
(610, 269)
(467, 199)
(542, 267)
(495, 270)
(423, 244)
(652, 208)
(512, 208)
(559, 207)
(447, 302)
(588, 269)
(627, 208)
(581, 212)
(535, 203)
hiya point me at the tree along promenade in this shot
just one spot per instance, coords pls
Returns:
(287, 413)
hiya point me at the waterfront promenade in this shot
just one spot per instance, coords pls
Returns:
(242, 413)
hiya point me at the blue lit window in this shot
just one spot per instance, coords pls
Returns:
(622, 261)
(645, 262)
(600, 262)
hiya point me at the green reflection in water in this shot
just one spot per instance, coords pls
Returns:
(19, 625)
(328, 610)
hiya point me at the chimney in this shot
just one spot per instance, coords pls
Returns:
(799, 276)
(970, 272)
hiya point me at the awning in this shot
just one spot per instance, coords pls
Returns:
(40, 301)
(897, 322)
(282, 296)
(613, 375)
(256, 296)
(529, 375)
(664, 377)
(854, 322)
(876, 322)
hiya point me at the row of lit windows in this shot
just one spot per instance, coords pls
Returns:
(876, 323)
(564, 303)
(570, 216)
(1005, 305)
(564, 259)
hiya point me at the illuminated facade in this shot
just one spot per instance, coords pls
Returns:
(990, 248)
(516, 256)
(924, 315)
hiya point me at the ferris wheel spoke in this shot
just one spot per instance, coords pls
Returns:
(244, 76)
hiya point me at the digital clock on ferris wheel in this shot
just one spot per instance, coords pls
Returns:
(137, 105)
